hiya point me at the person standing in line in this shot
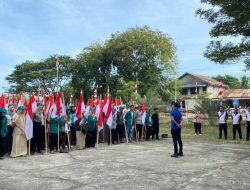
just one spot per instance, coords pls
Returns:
(237, 118)
(114, 137)
(19, 144)
(129, 122)
(197, 123)
(155, 119)
(10, 114)
(176, 125)
(138, 123)
(53, 134)
(91, 129)
(148, 124)
(222, 119)
(3, 131)
(120, 124)
(248, 123)
(72, 125)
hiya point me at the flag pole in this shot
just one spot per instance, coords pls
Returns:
(46, 140)
(57, 81)
(29, 148)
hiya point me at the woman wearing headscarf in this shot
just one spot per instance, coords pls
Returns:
(91, 129)
(9, 138)
(3, 131)
(19, 145)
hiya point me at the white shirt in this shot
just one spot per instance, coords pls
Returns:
(248, 115)
(236, 118)
(222, 117)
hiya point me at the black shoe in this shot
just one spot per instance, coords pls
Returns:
(32, 153)
(174, 155)
(181, 154)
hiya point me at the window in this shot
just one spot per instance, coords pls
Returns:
(193, 90)
(204, 89)
(184, 91)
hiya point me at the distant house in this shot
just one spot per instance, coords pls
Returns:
(237, 97)
(192, 85)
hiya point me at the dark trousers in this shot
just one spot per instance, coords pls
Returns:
(120, 131)
(90, 139)
(114, 136)
(155, 132)
(223, 127)
(197, 128)
(238, 128)
(1, 146)
(37, 142)
(138, 131)
(148, 132)
(248, 130)
(53, 141)
(73, 134)
(9, 140)
(176, 135)
(63, 139)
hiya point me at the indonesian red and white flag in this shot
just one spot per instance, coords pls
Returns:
(7, 101)
(220, 89)
(95, 98)
(13, 98)
(57, 106)
(20, 100)
(28, 121)
(80, 107)
(2, 101)
(88, 106)
(109, 118)
(49, 106)
(99, 115)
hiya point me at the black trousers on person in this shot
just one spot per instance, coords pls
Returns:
(238, 128)
(38, 140)
(176, 135)
(73, 134)
(9, 139)
(148, 132)
(197, 128)
(53, 141)
(90, 139)
(1, 146)
(138, 131)
(120, 131)
(155, 132)
(248, 130)
(223, 127)
(114, 136)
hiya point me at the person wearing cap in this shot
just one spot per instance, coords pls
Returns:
(155, 125)
(129, 122)
(222, 120)
(120, 124)
(91, 129)
(176, 125)
(237, 118)
(138, 123)
(248, 123)
(19, 144)
(38, 139)
(3, 131)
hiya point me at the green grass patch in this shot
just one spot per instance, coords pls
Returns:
(209, 133)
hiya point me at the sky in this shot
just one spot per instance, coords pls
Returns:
(34, 30)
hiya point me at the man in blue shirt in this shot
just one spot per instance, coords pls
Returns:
(176, 124)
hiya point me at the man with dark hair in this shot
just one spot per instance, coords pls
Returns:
(155, 125)
(237, 118)
(176, 124)
(129, 122)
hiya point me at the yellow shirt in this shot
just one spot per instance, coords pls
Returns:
(19, 121)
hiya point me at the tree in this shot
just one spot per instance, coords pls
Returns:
(208, 108)
(231, 81)
(144, 55)
(244, 82)
(231, 18)
(31, 75)
(138, 54)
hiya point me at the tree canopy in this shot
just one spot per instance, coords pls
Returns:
(231, 18)
(31, 75)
